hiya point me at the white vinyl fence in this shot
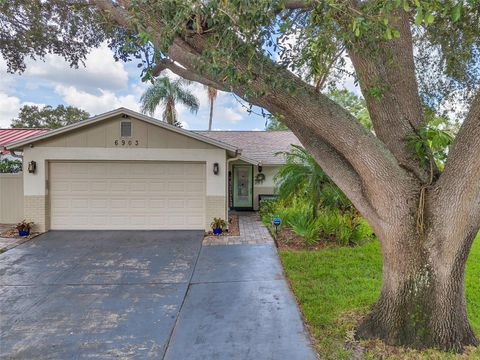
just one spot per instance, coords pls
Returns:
(11, 198)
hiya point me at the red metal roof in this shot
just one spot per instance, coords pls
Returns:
(8, 136)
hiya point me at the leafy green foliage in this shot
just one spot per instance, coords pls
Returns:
(354, 104)
(275, 124)
(345, 228)
(10, 166)
(266, 208)
(35, 28)
(32, 116)
(302, 176)
(167, 93)
(304, 225)
(312, 205)
(433, 140)
(218, 223)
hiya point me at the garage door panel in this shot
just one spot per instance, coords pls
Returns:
(157, 186)
(118, 186)
(77, 186)
(99, 204)
(126, 195)
(157, 204)
(100, 186)
(194, 187)
(139, 188)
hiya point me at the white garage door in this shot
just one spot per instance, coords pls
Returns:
(127, 195)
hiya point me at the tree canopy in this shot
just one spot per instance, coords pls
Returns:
(32, 116)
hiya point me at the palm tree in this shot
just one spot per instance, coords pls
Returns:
(301, 175)
(167, 93)
(212, 95)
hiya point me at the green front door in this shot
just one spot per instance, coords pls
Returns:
(242, 186)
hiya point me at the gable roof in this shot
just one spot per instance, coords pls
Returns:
(8, 136)
(118, 112)
(260, 146)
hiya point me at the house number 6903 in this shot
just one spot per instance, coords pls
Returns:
(126, 142)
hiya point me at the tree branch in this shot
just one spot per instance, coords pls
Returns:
(186, 74)
(114, 12)
(458, 189)
(308, 111)
(299, 4)
(387, 79)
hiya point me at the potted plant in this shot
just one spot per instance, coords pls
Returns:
(24, 228)
(217, 225)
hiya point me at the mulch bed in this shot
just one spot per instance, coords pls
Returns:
(288, 240)
(233, 228)
(13, 233)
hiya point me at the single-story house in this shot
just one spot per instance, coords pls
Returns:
(125, 170)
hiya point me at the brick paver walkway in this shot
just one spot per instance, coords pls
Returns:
(10, 243)
(252, 231)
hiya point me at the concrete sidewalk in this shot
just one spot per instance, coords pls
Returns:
(239, 306)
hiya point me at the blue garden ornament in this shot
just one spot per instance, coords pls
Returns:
(276, 221)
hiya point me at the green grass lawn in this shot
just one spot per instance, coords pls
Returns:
(337, 286)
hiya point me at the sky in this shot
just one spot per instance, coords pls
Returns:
(103, 85)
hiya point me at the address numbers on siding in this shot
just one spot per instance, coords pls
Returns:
(124, 142)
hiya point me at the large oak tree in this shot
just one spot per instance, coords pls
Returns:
(406, 54)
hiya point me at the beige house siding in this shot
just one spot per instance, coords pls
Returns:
(107, 134)
(36, 209)
(11, 198)
(267, 187)
(215, 208)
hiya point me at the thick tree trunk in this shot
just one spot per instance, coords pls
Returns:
(422, 302)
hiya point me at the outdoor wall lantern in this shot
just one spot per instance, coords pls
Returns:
(216, 168)
(32, 167)
(260, 168)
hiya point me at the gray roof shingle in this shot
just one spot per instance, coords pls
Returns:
(260, 146)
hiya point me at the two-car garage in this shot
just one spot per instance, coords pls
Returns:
(126, 195)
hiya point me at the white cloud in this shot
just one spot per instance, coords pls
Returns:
(231, 115)
(96, 104)
(100, 71)
(9, 106)
(7, 79)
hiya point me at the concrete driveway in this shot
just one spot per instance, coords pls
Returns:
(145, 295)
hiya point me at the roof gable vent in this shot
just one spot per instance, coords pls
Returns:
(126, 129)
